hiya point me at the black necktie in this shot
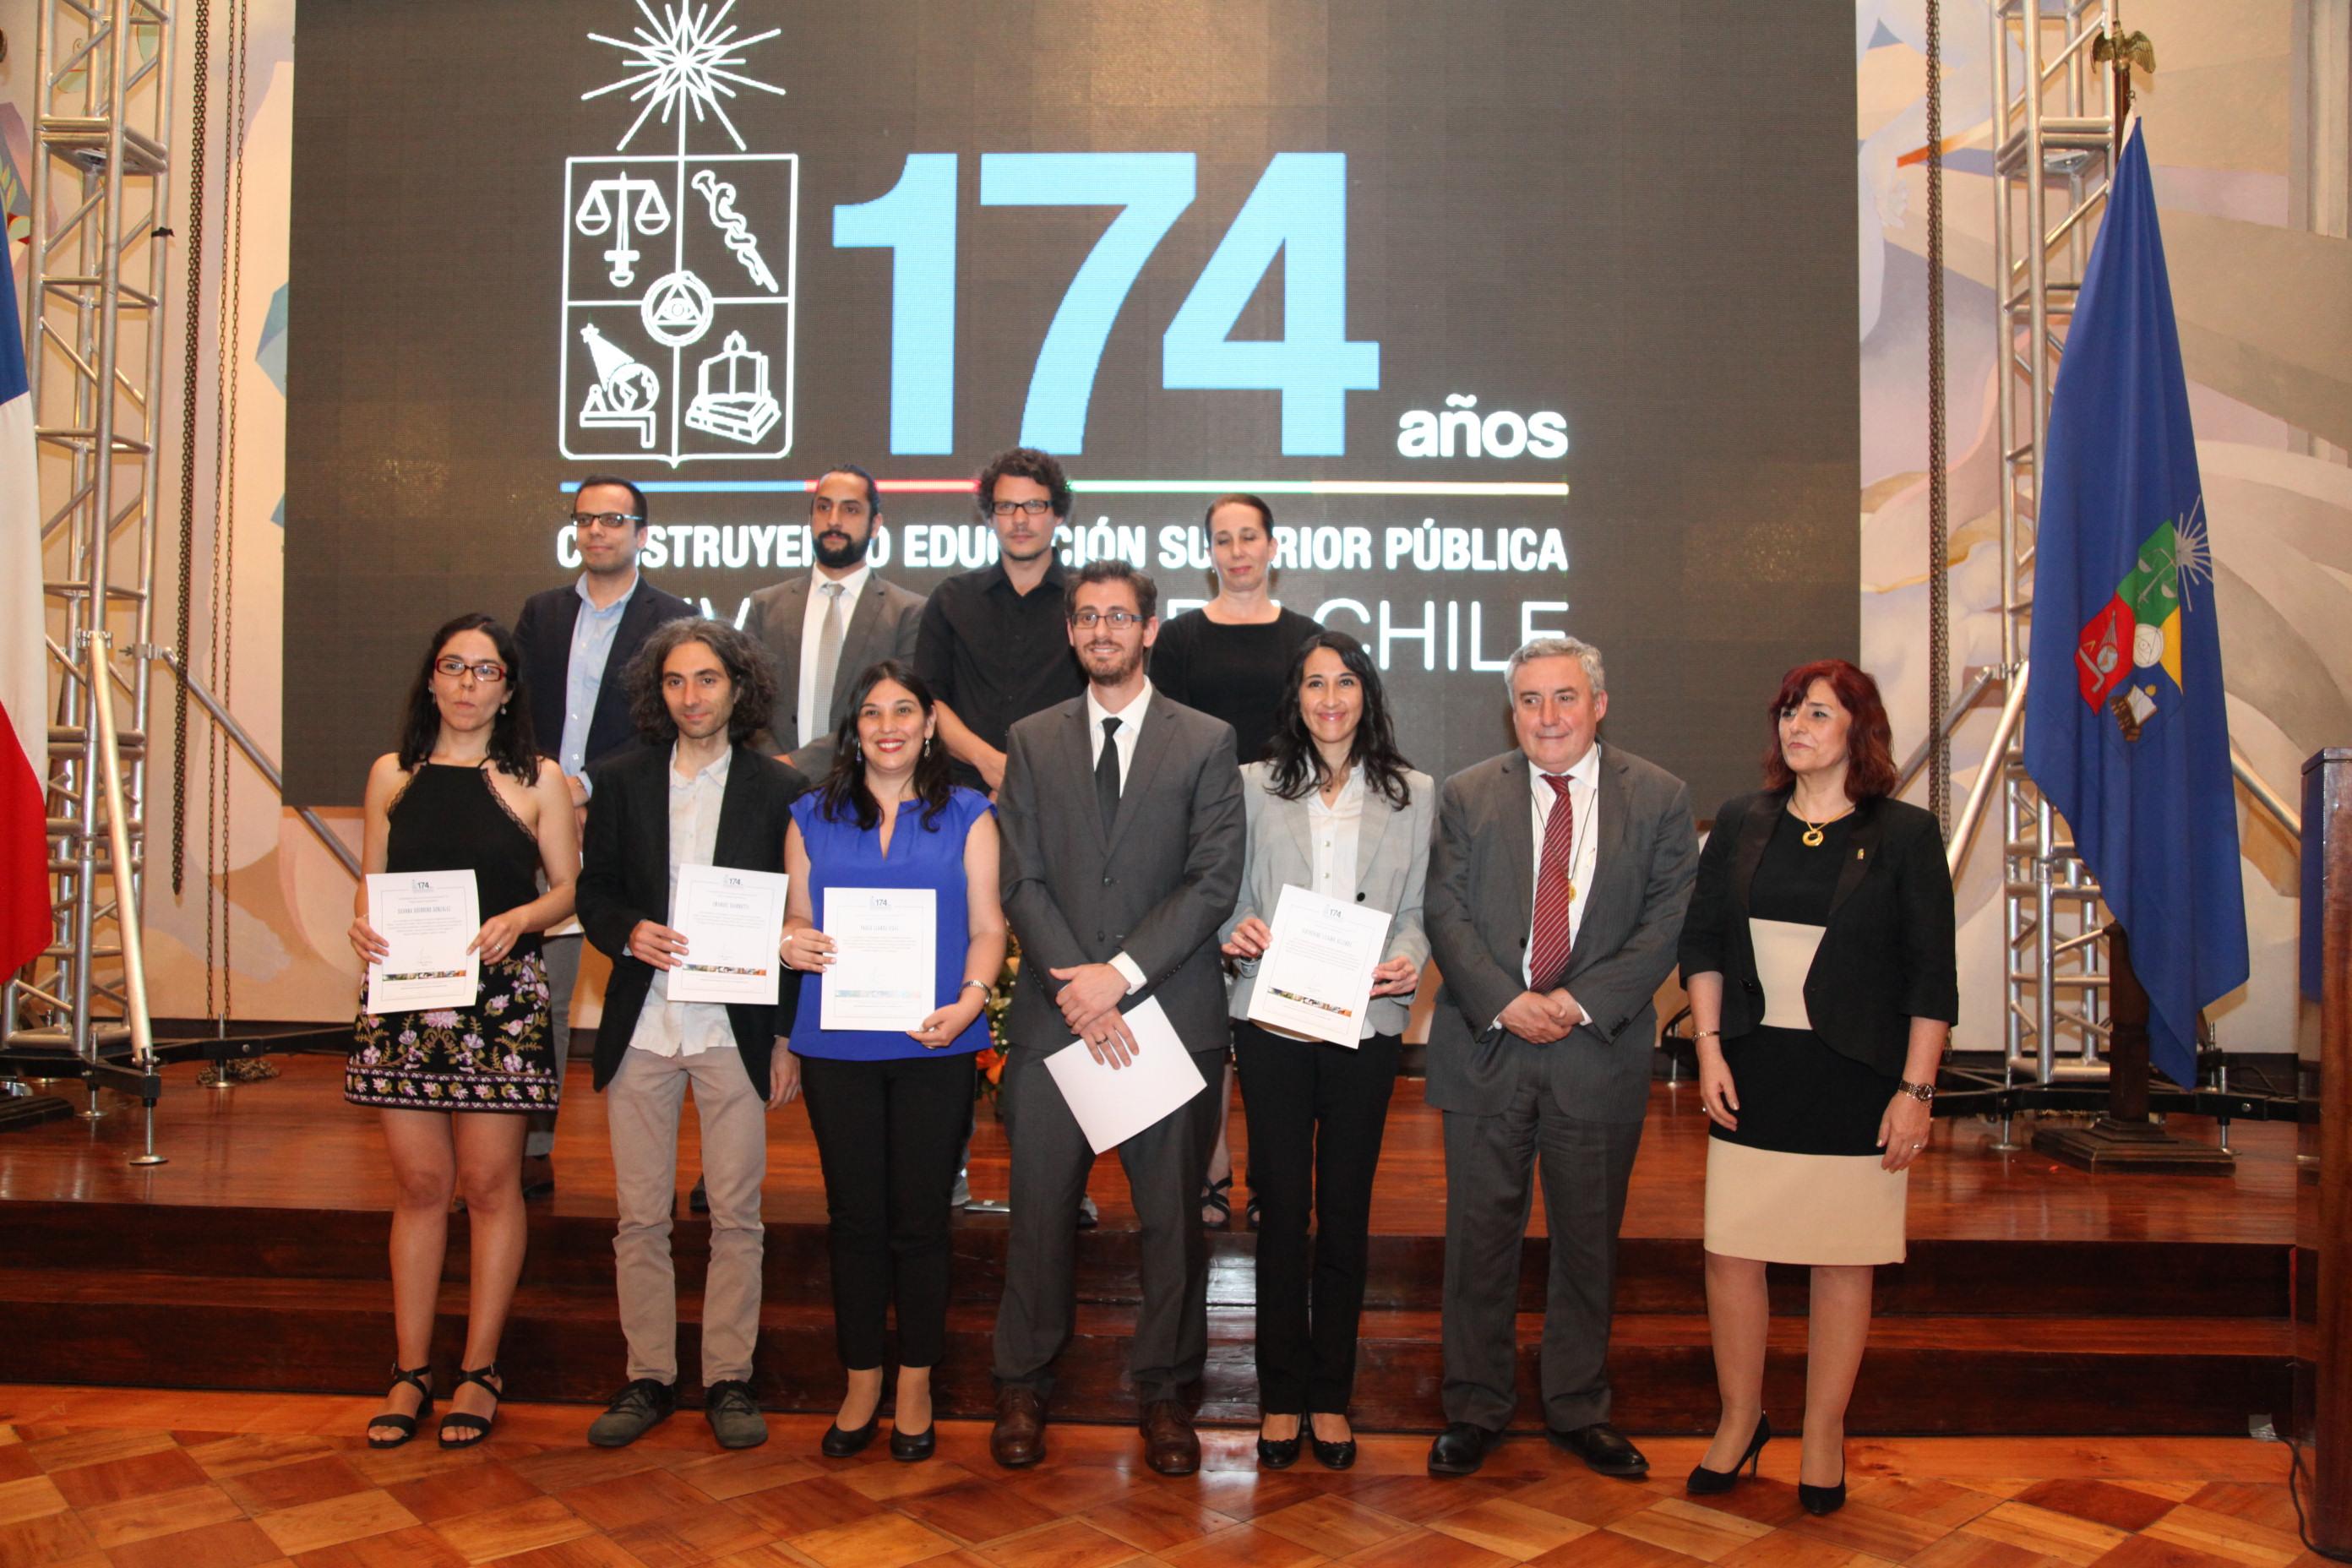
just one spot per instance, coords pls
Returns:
(1107, 775)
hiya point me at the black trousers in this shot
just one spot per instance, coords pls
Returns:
(889, 1135)
(1316, 1113)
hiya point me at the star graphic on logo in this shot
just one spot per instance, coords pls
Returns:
(680, 62)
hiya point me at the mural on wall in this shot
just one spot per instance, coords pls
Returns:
(2264, 317)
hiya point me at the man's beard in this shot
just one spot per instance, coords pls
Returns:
(1126, 667)
(838, 556)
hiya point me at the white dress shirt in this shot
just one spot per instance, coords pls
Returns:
(816, 707)
(664, 1027)
(1584, 798)
(1332, 832)
(1130, 724)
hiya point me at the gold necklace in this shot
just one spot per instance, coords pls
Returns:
(1811, 837)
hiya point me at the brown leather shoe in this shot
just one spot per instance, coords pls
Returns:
(1019, 1439)
(1169, 1445)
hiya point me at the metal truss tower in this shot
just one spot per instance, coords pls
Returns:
(2053, 155)
(94, 353)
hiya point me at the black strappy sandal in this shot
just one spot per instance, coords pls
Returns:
(473, 1429)
(404, 1425)
(1214, 1197)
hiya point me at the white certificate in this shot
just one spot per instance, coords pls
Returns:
(1316, 978)
(1113, 1104)
(885, 971)
(428, 919)
(733, 922)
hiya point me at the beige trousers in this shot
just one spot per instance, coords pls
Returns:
(642, 1103)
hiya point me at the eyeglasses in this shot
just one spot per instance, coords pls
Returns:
(606, 520)
(1090, 618)
(490, 671)
(1033, 506)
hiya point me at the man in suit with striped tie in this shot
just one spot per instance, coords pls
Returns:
(1559, 874)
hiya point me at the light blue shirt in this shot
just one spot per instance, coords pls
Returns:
(583, 675)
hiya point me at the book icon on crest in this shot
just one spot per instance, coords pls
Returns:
(735, 402)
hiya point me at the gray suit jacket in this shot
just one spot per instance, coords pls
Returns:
(1392, 866)
(1481, 899)
(882, 626)
(1158, 886)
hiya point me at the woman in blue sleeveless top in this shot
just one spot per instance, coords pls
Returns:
(891, 1108)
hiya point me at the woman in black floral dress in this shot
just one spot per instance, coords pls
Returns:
(466, 791)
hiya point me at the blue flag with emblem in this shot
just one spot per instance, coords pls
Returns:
(2124, 729)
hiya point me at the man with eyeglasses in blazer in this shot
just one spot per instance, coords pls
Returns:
(573, 643)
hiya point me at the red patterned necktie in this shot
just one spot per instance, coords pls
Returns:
(1555, 891)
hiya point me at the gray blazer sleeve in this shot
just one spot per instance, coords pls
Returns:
(1407, 937)
(1479, 986)
(1046, 940)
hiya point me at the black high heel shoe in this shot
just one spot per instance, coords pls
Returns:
(460, 1430)
(1819, 1500)
(404, 1425)
(1704, 1482)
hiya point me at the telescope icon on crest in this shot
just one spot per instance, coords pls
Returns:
(624, 393)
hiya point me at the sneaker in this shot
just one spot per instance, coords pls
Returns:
(637, 1410)
(733, 1414)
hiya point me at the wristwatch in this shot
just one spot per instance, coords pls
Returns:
(1922, 1093)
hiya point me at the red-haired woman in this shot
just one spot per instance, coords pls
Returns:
(1819, 959)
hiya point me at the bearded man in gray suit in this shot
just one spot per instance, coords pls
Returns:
(826, 627)
(1123, 841)
(1558, 874)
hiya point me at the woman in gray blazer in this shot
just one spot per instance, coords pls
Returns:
(1333, 809)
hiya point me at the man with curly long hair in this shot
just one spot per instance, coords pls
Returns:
(695, 794)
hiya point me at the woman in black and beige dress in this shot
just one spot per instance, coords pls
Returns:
(1817, 955)
(454, 1087)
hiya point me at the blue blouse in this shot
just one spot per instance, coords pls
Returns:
(922, 854)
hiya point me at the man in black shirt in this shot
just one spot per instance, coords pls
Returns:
(993, 647)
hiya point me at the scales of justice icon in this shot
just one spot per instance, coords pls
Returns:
(679, 261)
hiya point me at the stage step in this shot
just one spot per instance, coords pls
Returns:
(2050, 1279)
(2113, 1338)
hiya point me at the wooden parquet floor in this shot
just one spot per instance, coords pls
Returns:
(125, 1478)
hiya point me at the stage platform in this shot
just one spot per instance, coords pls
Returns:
(2037, 1299)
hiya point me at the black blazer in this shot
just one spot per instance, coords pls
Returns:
(624, 879)
(543, 637)
(1887, 955)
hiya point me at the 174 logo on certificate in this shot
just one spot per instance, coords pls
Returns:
(678, 267)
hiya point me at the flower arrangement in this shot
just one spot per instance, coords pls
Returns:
(991, 1059)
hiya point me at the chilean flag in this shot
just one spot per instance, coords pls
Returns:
(23, 679)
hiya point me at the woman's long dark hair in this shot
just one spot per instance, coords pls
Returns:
(1298, 766)
(843, 791)
(513, 749)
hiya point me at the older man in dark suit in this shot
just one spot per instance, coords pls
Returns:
(1558, 879)
(825, 627)
(1123, 846)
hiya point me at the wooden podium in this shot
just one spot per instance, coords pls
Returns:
(2324, 1192)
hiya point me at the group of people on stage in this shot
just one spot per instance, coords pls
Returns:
(1129, 801)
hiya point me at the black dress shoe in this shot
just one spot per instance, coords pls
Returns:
(1461, 1448)
(1604, 1449)
(1277, 1454)
(911, 1448)
(837, 1444)
(698, 1199)
(1819, 1500)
